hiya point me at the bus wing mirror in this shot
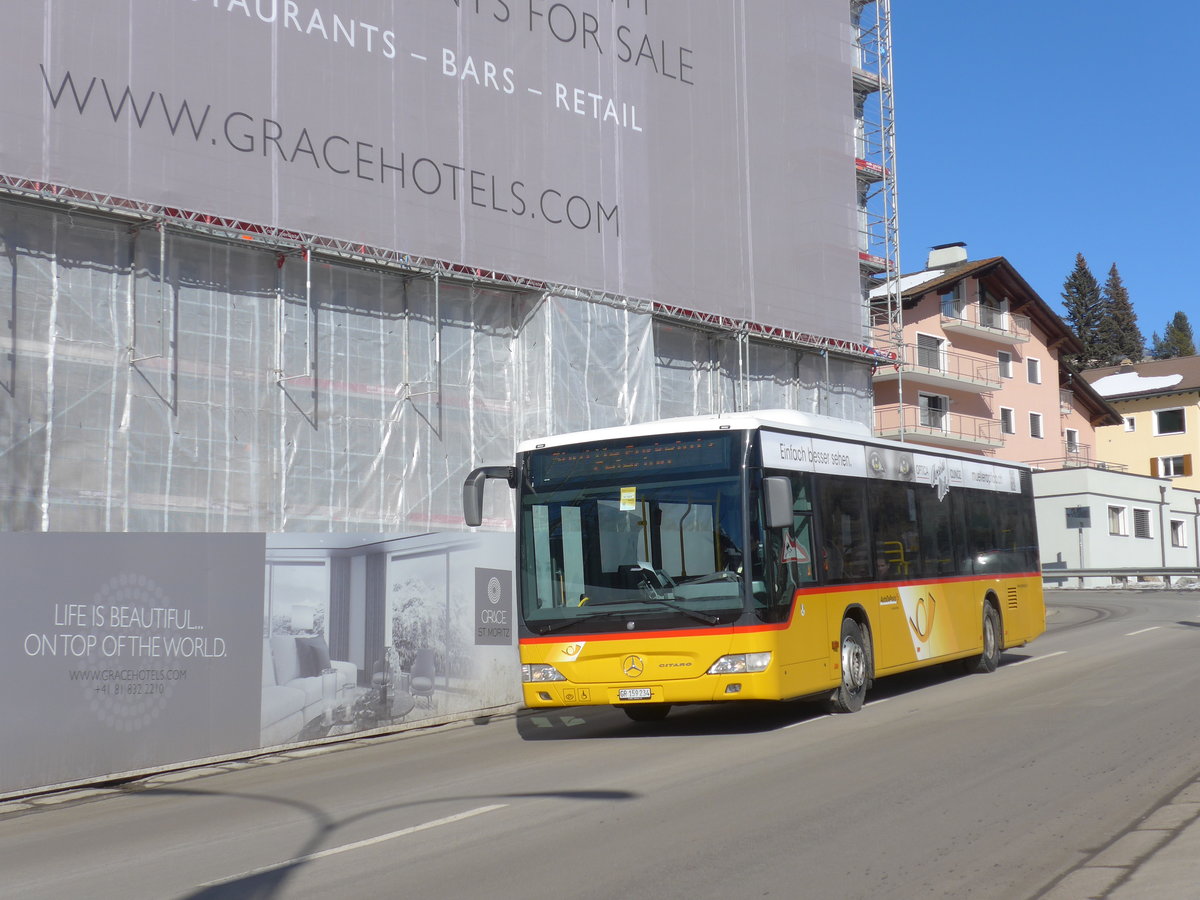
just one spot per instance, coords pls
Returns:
(473, 490)
(777, 497)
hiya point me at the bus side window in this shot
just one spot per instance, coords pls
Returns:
(845, 545)
(895, 540)
(783, 558)
(936, 532)
(800, 553)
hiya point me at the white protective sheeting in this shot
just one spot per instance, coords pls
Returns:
(170, 382)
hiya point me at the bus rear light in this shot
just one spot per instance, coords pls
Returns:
(737, 663)
(539, 672)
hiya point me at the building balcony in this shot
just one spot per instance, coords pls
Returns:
(871, 264)
(937, 428)
(1076, 456)
(941, 368)
(869, 172)
(866, 82)
(987, 322)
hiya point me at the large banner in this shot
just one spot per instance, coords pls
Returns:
(123, 651)
(127, 653)
(694, 152)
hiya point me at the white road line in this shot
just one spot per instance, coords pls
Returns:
(1035, 659)
(357, 845)
(1143, 631)
(806, 722)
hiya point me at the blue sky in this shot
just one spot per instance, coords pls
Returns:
(1038, 130)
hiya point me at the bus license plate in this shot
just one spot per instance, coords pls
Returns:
(634, 694)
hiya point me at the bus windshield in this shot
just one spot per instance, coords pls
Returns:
(643, 532)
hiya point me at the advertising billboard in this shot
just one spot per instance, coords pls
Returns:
(694, 152)
(133, 652)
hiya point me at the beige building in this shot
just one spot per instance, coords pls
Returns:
(980, 368)
(1159, 402)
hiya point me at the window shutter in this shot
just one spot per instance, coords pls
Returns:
(1187, 464)
(1154, 466)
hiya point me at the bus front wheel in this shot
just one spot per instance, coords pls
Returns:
(989, 659)
(856, 670)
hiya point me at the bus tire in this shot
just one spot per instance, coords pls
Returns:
(856, 670)
(989, 659)
(649, 712)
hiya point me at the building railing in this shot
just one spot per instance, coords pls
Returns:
(988, 319)
(1077, 460)
(945, 366)
(937, 426)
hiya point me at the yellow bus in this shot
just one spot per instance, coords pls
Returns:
(772, 555)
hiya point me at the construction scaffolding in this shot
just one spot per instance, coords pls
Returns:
(875, 159)
(162, 375)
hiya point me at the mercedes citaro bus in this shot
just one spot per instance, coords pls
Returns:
(765, 555)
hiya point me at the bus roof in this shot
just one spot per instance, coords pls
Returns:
(787, 420)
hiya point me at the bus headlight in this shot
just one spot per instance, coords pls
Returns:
(533, 672)
(737, 663)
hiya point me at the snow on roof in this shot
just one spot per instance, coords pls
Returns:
(910, 281)
(1133, 383)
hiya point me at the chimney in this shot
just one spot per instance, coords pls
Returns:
(946, 255)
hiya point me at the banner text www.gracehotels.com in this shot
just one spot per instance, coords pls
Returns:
(341, 156)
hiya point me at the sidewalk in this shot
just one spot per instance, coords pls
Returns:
(1157, 859)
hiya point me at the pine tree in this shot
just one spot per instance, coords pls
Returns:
(1085, 310)
(1176, 341)
(1119, 337)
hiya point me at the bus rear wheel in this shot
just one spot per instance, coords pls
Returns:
(650, 712)
(989, 659)
(856, 670)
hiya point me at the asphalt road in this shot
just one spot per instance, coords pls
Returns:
(982, 786)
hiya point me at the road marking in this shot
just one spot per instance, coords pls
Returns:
(357, 845)
(1143, 631)
(1034, 659)
(807, 721)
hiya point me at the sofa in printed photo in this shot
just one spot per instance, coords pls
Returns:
(294, 686)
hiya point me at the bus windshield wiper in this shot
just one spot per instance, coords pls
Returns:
(678, 607)
(599, 614)
(570, 623)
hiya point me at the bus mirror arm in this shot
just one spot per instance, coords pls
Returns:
(777, 500)
(473, 490)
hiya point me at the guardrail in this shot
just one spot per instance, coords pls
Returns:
(1135, 574)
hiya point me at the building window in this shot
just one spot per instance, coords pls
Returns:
(1116, 520)
(929, 351)
(992, 312)
(1141, 523)
(952, 302)
(1171, 466)
(1072, 440)
(1033, 367)
(1008, 420)
(1130, 423)
(1178, 533)
(933, 410)
(1035, 425)
(1168, 421)
(1004, 359)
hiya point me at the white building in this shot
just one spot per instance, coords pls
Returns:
(1124, 528)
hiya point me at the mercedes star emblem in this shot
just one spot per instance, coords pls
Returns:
(634, 666)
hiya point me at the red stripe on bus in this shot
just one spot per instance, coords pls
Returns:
(779, 626)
